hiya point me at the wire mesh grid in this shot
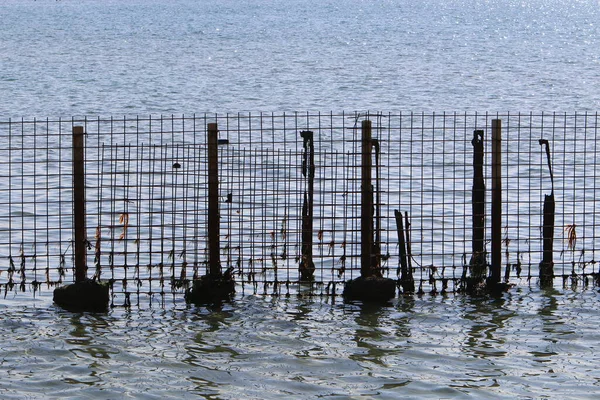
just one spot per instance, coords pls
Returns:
(147, 199)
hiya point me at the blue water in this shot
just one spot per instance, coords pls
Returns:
(132, 57)
(67, 57)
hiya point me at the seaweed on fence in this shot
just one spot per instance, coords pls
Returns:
(97, 254)
(411, 171)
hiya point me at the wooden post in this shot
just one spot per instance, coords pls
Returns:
(79, 204)
(496, 201)
(307, 265)
(366, 218)
(214, 262)
(85, 294)
(371, 285)
(547, 264)
(478, 208)
(406, 279)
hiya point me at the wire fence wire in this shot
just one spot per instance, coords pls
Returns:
(147, 199)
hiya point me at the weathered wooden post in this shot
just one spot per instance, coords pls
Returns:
(370, 286)
(215, 286)
(496, 271)
(477, 264)
(406, 279)
(478, 201)
(214, 256)
(367, 267)
(307, 265)
(84, 294)
(547, 263)
(80, 244)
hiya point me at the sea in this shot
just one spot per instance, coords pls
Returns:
(73, 58)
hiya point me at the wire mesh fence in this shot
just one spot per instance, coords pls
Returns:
(290, 200)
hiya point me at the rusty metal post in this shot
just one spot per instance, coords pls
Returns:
(79, 204)
(496, 201)
(214, 262)
(366, 218)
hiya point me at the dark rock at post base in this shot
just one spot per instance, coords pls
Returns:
(371, 289)
(546, 274)
(483, 287)
(307, 270)
(496, 289)
(210, 289)
(87, 295)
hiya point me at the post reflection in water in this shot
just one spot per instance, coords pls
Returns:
(551, 324)
(526, 343)
(488, 317)
(380, 333)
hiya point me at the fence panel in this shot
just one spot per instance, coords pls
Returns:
(285, 200)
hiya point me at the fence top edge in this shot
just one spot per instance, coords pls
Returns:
(213, 116)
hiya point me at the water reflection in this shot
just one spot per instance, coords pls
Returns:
(300, 314)
(551, 323)
(86, 342)
(86, 327)
(488, 316)
(206, 340)
(527, 343)
(377, 333)
(403, 321)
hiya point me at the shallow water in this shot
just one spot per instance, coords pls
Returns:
(526, 344)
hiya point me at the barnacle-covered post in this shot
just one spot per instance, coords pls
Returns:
(307, 265)
(370, 286)
(85, 294)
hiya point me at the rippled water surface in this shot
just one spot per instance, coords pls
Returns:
(527, 344)
(113, 57)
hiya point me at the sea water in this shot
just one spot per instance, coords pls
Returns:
(133, 57)
(115, 57)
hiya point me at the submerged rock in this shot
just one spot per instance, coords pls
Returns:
(210, 289)
(483, 287)
(371, 289)
(87, 295)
